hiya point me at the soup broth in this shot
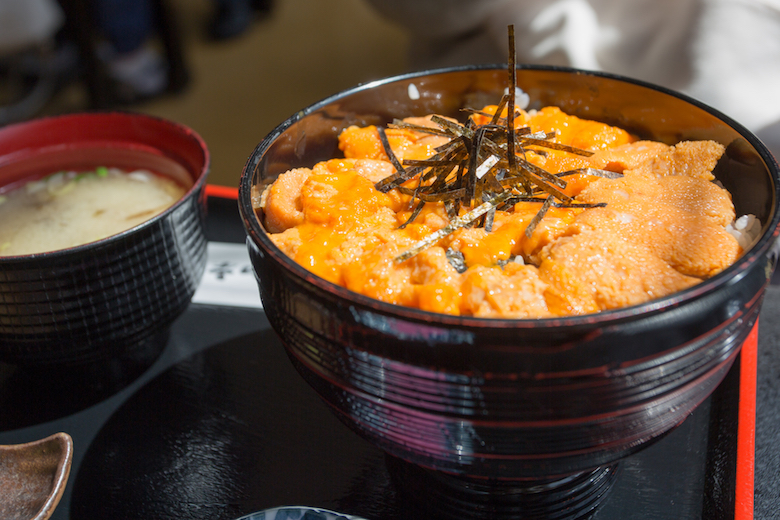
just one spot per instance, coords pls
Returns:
(71, 208)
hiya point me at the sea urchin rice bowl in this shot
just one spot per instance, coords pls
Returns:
(512, 398)
(640, 219)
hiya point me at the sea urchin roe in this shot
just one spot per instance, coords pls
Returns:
(67, 209)
(657, 226)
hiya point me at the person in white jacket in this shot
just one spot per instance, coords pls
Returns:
(28, 74)
(25, 24)
(725, 53)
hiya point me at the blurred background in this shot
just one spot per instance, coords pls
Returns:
(234, 69)
(233, 90)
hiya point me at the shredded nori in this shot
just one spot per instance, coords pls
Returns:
(457, 260)
(456, 223)
(483, 167)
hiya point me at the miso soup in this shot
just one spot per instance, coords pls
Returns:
(71, 208)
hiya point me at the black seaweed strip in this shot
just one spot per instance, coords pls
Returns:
(552, 190)
(389, 151)
(426, 195)
(479, 187)
(579, 205)
(416, 194)
(471, 185)
(538, 217)
(542, 173)
(607, 174)
(492, 182)
(555, 146)
(429, 162)
(455, 129)
(452, 207)
(555, 204)
(489, 216)
(510, 114)
(393, 180)
(414, 214)
(456, 260)
(458, 155)
(501, 104)
(446, 146)
(403, 125)
(515, 200)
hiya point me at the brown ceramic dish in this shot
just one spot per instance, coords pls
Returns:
(33, 477)
(496, 402)
(95, 301)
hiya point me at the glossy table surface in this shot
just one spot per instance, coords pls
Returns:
(221, 425)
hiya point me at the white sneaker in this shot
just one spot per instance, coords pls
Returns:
(144, 71)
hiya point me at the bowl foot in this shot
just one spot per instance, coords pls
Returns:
(446, 496)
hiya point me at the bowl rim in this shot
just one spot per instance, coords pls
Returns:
(766, 244)
(197, 185)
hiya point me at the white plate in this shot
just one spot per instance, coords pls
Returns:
(298, 513)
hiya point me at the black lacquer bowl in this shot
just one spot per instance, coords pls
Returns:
(502, 401)
(103, 299)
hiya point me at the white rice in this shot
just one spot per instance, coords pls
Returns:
(522, 100)
(746, 229)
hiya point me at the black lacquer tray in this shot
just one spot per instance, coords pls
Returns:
(218, 428)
